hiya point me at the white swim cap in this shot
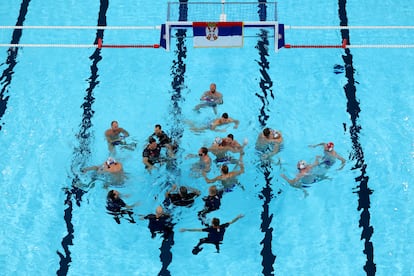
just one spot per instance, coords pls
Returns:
(275, 133)
(218, 141)
(301, 165)
(110, 161)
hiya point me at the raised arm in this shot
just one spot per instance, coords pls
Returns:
(194, 190)
(343, 161)
(239, 172)
(191, 230)
(212, 180)
(290, 181)
(236, 122)
(316, 145)
(173, 188)
(295, 183)
(236, 219)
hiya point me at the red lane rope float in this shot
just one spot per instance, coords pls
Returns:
(343, 45)
(313, 46)
(100, 45)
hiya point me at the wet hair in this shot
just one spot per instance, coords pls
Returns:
(225, 115)
(111, 195)
(183, 190)
(215, 222)
(151, 140)
(225, 169)
(204, 150)
(158, 126)
(113, 122)
(266, 132)
(213, 189)
(230, 136)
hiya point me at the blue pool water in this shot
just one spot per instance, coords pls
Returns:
(56, 104)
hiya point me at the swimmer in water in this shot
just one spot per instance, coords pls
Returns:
(210, 98)
(110, 166)
(118, 208)
(329, 155)
(304, 176)
(212, 125)
(164, 140)
(215, 233)
(114, 137)
(184, 197)
(159, 222)
(221, 146)
(203, 164)
(227, 179)
(269, 143)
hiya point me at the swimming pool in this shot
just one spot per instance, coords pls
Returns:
(58, 103)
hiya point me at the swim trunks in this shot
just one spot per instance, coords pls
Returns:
(225, 159)
(116, 143)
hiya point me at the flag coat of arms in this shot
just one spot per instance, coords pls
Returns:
(218, 34)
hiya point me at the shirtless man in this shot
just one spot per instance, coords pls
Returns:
(110, 165)
(210, 98)
(221, 146)
(204, 162)
(329, 155)
(114, 168)
(304, 176)
(223, 120)
(113, 136)
(228, 179)
(269, 142)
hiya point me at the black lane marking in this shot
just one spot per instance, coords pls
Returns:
(357, 154)
(178, 74)
(6, 76)
(82, 152)
(266, 83)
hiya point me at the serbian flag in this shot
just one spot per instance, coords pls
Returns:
(218, 34)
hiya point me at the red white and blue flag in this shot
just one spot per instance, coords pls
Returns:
(218, 34)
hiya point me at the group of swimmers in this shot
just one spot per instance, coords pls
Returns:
(268, 144)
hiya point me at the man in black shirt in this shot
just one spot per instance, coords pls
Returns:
(118, 208)
(212, 202)
(151, 154)
(184, 197)
(164, 140)
(215, 233)
(159, 222)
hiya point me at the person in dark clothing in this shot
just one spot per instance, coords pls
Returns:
(151, 154)
(184, 197)
(162, 137)
(164, 140)
(159, 222)
(215, 233)
(118, 208)
(212, 202)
